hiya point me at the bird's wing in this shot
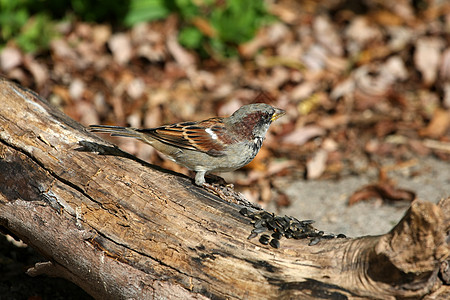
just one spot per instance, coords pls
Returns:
(209, 136)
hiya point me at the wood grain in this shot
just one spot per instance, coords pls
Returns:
(122, 228)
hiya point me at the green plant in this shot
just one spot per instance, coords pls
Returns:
(36, 33)
(211, 27)
(31, 23)
(236, 22)
(145, 10)
(12, 18)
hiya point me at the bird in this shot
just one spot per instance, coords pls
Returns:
(218, 144)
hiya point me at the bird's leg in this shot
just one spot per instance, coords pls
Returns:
(200, 178)
(218, 189)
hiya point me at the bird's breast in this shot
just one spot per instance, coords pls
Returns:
(257, 143)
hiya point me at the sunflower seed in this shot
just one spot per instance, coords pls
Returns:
(264, 239)
(275, 243)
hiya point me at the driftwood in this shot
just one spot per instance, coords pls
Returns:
(121, 228)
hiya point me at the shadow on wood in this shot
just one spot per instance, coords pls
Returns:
(122, 228)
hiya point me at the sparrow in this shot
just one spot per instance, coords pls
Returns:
(217, 144)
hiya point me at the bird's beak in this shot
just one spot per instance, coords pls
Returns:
(278, 113)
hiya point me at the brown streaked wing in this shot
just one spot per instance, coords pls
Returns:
(193, 136)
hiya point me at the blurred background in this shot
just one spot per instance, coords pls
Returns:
(366, 87)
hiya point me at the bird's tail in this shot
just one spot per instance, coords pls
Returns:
(116, 131)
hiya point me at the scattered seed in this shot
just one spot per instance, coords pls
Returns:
(286, 226)
(275, 243)
(259, 223)
(306, 222)
(252, 235)
(277, 235)
(244, 212)
(314, 241)
(299, 235)
(264, 239)
(328, 236)
(259, 230)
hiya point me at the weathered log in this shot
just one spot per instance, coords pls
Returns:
(122, 228)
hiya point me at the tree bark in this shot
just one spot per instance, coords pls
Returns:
(121, 228)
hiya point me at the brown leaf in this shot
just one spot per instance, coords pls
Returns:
(39, 71)
(150, 42)
(444, 68)
(62, 50)
(326, 33)
(88, 115)
(446, 100)
(101, 34)
(265, 37)
(264, 97)
(265, 190)
(282, 200)
(277, 166)
(371, 87)
(317, 164)
(385, 127)
(204, 26)
(427, 58)
(438, 126)
(303, 134)
(10, 58)
(135, 88)
(419, 147)
(120, 45)
(76, 89)
(361, 31)
(387, 18)
(285, 13)
(384, 191)
(181, 55)
(342, 89)
(333, 121)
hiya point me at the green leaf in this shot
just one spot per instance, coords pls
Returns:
(145, 10)
(36, 34)
(190, 37)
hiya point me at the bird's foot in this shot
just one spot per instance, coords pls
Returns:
(227, 193)
(214, 179)
(224, 192)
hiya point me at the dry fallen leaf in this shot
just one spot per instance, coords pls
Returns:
(371, 87)
(317, 164)
(360, 32)
(302, 135)
(438, 126)
(40, 72)
(383, 191)
(76, 89)
(10, 57)
(184, 58)
(444, 67)
(121, 48)
(325, 32)
(427, 57)
(282, 200)
(446, 100)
